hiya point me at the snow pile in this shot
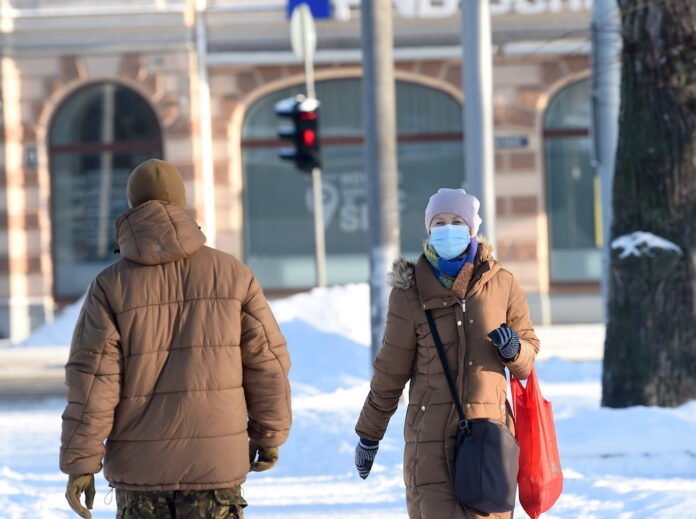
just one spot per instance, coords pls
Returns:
(641, 243)
(341, 309)
(59, 331)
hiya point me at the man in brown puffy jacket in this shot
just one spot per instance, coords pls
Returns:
(177, 363)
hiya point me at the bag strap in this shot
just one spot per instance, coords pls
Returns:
(463, 422)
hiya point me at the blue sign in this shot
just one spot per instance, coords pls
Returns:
(321, 9)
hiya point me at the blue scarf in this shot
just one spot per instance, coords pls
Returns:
(446, 271)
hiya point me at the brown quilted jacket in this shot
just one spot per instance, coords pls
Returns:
(409, 354)
(176, 361)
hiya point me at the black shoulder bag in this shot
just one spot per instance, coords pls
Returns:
(486, 456)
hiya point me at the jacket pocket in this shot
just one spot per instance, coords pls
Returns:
(229, 496)
(229, 503)
(421, 411)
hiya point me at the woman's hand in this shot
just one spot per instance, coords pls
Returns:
(507, 341)
(365, 452)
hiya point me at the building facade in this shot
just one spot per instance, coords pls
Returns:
(89, 90)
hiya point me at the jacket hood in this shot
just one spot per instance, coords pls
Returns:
(158, 232)
(403, 273)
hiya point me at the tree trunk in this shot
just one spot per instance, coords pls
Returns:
(650, 349)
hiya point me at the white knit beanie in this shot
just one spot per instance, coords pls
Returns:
(455, 201)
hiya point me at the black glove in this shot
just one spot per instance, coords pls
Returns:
(365, 453)
(507, 341)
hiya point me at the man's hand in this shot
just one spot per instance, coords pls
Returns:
(365, 452)
(267, 456)
(507, 342)
(76, 486)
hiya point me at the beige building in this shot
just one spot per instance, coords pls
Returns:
(90, 89)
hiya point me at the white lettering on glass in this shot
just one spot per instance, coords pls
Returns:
(501, 7)
(448, 8)
(345, 201)
(406, 8)
(531, 6)
(437, 8)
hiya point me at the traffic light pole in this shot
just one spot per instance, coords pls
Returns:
(303, 37)
(305, 154)
(317, 191)
(319, 231)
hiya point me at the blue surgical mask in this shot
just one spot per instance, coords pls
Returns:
(450, 240)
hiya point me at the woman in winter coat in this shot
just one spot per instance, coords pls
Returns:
(483, 320)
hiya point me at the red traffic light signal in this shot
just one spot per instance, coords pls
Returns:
(309, 138)
(304, 132)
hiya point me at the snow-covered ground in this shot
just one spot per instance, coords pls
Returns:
(619, 464)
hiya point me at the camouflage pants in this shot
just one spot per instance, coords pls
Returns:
(221, 503)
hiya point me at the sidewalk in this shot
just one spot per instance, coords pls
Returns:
(32, 371)
(575, 342)
(38, 371)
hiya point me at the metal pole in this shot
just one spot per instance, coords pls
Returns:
(606, 86)
(380, 155)
(477, 78)
(319, 240)
(309, 74)
(206, 134)
(317, 192)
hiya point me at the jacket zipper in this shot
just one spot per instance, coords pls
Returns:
(465, 328)
(464, 367)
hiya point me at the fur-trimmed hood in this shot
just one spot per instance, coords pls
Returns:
(403, 272)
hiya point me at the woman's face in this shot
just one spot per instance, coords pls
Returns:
(441, 219)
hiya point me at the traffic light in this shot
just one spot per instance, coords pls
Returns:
(304, 132)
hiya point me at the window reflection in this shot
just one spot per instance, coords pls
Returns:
(278, 229)
(98, 135)
(571, 187)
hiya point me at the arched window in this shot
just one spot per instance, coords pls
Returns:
(278, 229)
(97, 136)
(572, 192)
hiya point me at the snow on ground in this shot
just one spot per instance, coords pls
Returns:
(627, 464)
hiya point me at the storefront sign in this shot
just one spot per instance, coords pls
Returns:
(449, 8)
(320, 9)
(31, 157)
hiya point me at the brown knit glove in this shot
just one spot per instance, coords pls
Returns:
(76, 486)
(267, 456)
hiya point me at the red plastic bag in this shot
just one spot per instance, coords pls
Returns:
(540, 478)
